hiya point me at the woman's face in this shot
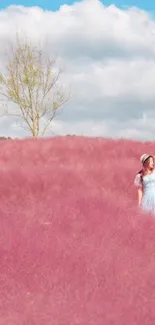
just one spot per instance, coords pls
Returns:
(149, 163)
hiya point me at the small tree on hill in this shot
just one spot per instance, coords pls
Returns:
(32, 82)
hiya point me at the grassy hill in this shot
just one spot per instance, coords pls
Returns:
(74, 249)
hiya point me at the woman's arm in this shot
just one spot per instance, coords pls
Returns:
(140, 194)
(139, 185)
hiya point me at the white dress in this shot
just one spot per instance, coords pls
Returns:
(147, 183)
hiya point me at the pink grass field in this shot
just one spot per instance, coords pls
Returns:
(74, 248)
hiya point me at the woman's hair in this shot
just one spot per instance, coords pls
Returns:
(141, 173)
(146, 161)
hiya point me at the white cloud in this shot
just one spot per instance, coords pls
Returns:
(109, 58)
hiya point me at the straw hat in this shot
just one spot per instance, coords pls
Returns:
(144, 157)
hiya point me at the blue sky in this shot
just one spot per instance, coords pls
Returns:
(55, 4)
(109, 63)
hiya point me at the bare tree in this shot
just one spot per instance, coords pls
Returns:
(32, 82)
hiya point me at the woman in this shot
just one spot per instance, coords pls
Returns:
(145, 183)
